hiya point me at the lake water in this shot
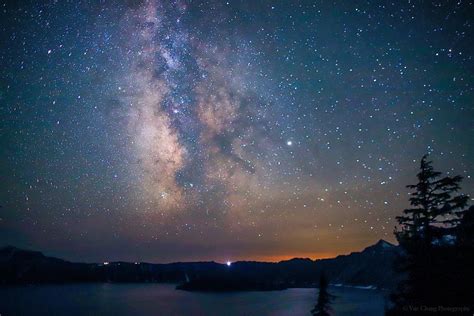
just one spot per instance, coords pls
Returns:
(163, 299)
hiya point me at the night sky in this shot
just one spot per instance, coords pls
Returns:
(166, 130)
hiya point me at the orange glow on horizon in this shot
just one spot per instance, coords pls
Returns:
(278, 258)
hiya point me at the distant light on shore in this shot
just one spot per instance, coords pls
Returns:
(228, 263)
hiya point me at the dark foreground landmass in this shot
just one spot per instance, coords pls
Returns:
(370, 267)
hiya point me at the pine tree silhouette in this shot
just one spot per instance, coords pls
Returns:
(323, 305)
(427, 238)
(434, 206)
(465, 229)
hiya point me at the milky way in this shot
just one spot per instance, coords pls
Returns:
(181, 130)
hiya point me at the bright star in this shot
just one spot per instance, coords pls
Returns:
(289, 143)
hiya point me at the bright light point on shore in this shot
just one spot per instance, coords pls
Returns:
(106, 263)
(228, 263)
(289, 143)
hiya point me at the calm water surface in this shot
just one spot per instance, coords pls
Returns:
(163, 299)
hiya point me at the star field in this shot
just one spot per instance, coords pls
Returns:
(195, 130)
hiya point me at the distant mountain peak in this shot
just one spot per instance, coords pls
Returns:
(384, 244)
(9, 252)
(380, 245)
